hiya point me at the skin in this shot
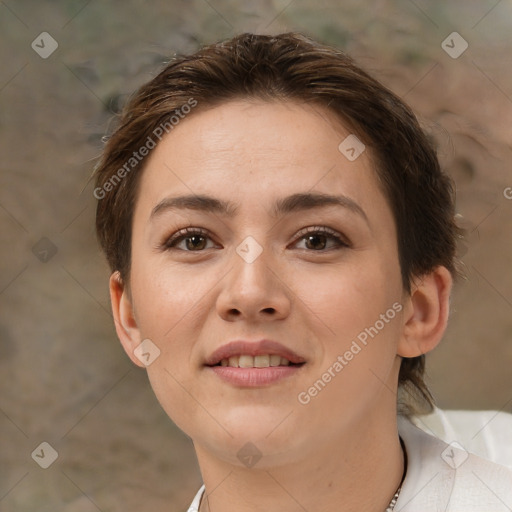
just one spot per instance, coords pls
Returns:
(312, 296)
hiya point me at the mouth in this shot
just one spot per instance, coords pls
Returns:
(261, 361)
(254, 354)
(254, 364)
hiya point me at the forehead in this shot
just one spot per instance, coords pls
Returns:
(251, 150)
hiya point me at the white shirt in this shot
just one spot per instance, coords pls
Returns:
(445, 477)
(487, 434)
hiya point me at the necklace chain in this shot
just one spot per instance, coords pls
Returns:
(392, 504)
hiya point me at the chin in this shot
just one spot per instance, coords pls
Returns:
(271, 430)
(256, 453)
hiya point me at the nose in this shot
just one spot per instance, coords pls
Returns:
(254, 290)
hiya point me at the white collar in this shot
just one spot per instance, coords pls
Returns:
(429, 480)
(445, 477)
(194, 507)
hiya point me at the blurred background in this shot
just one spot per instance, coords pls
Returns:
(67, 67)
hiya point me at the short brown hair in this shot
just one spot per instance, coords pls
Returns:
(283, 67)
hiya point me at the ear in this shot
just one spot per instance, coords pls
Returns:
(426, 313)
(124, 318)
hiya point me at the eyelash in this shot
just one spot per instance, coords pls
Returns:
(185, 233)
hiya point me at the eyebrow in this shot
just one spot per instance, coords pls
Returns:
(287, 205)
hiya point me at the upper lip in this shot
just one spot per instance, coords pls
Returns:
(252, 348)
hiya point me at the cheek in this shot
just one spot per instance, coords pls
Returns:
(170, 308)
(357, 306)
(350, 297)
(361, 308)
(167, 299)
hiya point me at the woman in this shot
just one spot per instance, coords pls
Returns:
(282, 245)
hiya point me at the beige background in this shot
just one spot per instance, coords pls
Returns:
(64, 378)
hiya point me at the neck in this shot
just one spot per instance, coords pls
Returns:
(361, 469)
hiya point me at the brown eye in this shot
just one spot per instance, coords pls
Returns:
(190, 239)
(317, 239)
(195, 242)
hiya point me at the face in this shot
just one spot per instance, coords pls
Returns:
(282, 238)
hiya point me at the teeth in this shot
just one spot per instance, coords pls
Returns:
(275, 360)
(246, 362)
(261, 361)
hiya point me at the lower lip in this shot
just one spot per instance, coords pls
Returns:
(254, 377)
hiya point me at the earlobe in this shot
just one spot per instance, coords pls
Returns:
(426, 313)
(124, 317)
